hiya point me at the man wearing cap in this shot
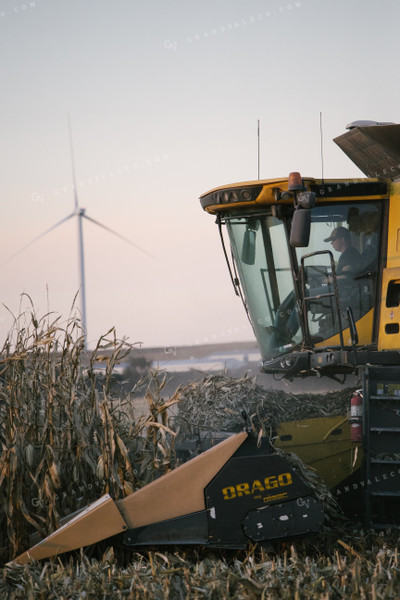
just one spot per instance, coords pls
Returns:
(350, 259)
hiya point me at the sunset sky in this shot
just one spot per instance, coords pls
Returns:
(164, 98)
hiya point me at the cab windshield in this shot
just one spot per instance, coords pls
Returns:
(286, 315)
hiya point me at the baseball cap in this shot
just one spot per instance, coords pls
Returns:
(337, 233)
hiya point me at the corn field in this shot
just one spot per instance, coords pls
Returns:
(365, 567)
(66, 439)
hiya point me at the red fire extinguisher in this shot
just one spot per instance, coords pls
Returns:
(356, 417)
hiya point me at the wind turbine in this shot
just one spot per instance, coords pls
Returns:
(80, 214)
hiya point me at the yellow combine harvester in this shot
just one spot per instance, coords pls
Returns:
(317, 264)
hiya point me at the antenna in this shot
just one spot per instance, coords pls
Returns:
(258, 148)
(321, 147)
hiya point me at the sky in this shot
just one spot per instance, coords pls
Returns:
(163, 97)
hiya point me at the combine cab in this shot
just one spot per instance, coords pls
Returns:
(317, 265)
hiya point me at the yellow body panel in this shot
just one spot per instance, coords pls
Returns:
(393, 248)
(314, 441)
(364, 330)
(389, 324)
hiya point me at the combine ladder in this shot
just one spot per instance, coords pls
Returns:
(381, 426)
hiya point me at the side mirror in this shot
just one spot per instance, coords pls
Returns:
(300, 231)
(248, 255)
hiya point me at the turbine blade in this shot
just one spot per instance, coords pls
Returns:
(118, 235)
(37, 238)
(71, 147)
